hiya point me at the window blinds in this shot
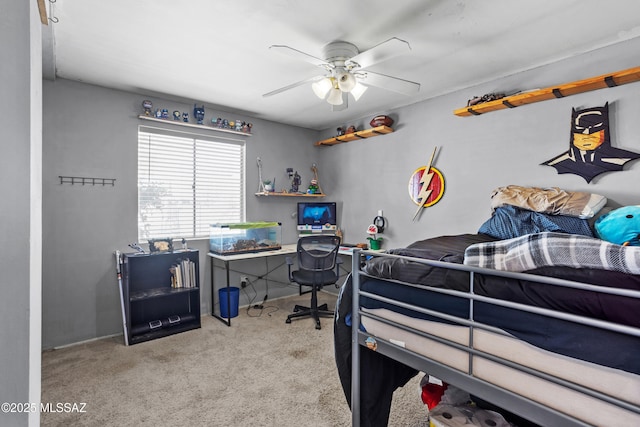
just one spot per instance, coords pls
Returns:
(187, 182)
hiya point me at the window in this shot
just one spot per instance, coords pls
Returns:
(187, 182)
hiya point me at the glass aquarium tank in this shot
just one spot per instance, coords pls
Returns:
(237, 238)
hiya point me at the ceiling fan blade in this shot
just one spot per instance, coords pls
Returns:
(291, 86)
(395, 84)
(298, 54)
(344, 105)
(382, 52)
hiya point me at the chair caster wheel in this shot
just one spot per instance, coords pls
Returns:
(318, 326)
(288, 321)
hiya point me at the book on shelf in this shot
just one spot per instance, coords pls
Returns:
(183, 274)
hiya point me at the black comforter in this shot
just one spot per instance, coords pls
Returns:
(563, 337)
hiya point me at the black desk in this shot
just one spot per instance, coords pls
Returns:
(227, 259)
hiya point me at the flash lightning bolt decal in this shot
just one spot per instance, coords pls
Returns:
(425, 192)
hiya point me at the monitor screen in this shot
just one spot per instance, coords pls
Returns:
(317, 216)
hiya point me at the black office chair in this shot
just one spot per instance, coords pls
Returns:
(318, 265)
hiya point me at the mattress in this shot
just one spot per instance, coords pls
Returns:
(613, 382)
(451, 249)
(614, 349)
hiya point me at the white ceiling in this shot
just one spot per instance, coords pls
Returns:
(216, 52)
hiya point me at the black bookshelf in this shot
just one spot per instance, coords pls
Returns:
(156, 302)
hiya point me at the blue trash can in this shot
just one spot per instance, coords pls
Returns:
(233, 296)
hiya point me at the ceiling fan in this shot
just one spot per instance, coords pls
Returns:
(345, 71)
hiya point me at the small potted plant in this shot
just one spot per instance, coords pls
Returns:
(267, 186)
(374, 241)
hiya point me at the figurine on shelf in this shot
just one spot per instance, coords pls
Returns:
(158, 113)
(484, 98)
(295, 182)
(165, 113)
(313, 187)
(340, 131)
(249, 126)
(239, 125)
(176, 115)
(374, 241)
(147, 106)
(185, 117)
(198, 113)
(225, 124)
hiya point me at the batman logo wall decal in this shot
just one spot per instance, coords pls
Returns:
(590, 152)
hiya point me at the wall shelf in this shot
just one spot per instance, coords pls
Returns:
(361, 134)
(600, 82)
(275, 194)
(192, 125)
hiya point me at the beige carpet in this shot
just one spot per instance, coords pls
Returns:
(258, 372)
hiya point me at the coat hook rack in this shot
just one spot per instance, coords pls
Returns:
(86, 181)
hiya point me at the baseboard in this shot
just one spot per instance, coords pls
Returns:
(82, 342)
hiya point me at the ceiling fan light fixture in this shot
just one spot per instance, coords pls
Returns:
(322, 87)
(346, 81)
(335, 96)
(345, 67)
(358, 90)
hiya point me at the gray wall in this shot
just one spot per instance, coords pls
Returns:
(479, 153)
(91, 131)
(20, 214)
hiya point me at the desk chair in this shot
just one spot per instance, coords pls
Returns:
(318, 265)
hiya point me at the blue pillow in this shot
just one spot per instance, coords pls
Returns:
(620, 226)
(508, 222)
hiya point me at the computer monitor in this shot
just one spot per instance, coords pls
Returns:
(317, 217)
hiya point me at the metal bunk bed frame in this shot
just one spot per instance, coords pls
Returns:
(497, 395)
